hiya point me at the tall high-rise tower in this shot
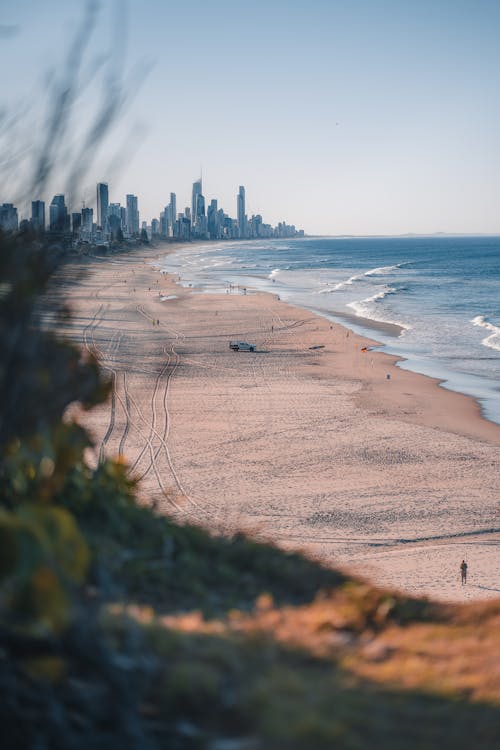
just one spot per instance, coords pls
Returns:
(132, 215)
(87, 221)
(38, 215)
(173, 207)
(213, 220)
(241, 211)
(198, 217)
(102, 205)
(9, 221)
(197, 190)
(58, 214)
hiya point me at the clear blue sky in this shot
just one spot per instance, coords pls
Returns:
(359, 116)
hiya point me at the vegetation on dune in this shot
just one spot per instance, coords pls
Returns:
(119, 626)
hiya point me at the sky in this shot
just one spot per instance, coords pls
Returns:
(341, 117)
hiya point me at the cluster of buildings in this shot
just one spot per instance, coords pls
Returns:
(114, 222)
(201, 222)
(111, 221)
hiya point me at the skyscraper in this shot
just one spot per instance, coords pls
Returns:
(241, 212)
(213, 220)
(76, 223)
(198, 218)
(173, 207)
(58, 214)
(168, 217)
(114, 219)
(197, 190)
(256, 226)
(87, 221)
(200, 206)
(102, 205)
(38, 215)
(132, 215)
(8, 217)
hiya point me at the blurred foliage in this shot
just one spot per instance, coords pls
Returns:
(43, 555)
(39, 374)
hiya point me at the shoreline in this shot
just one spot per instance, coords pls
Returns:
(306, 442)
(442, 421)
(392, 330)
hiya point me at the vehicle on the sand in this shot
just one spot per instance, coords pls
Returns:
(241, 346)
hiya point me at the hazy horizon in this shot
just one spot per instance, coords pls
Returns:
(343, 120)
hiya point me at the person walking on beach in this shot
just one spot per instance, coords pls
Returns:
(463, 571)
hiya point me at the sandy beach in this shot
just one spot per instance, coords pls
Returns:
(313, 441)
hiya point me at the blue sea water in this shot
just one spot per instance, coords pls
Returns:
(442, 292)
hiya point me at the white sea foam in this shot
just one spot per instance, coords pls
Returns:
(379, 271)
(383, 270)
(274, 273)
(493, 340)
(167, 297)
(365, 308)
(374, 298)
(341, 284)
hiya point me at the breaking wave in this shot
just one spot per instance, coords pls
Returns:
(493, 340)
(380, 271)
(365, 308)
(340, 284)
(384, 270)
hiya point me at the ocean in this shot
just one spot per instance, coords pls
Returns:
(441, 294)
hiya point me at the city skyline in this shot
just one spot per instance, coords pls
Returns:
(352, 119)
(114, 222)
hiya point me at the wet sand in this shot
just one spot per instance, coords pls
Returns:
(310, 441)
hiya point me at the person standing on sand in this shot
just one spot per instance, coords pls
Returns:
(463, 571)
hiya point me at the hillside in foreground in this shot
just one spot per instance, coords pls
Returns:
(184, 640)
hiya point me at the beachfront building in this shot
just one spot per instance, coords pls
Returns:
(116, 220)
(87, 227)
(287, 230)
(58, 214)
(182, 227)
(8, 217)
(173, 207)
(200, 221)
(213, 223)
(132, 215)
(196, 191)
(256, 226)
(199, 228)
(102, 205)
(115, 210)
(76, 223)
(38, 215)
(168, 218)
(242, 219)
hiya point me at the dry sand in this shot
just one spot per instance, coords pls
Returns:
(313, 448)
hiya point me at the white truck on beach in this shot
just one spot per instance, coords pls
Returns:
(241, 346)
